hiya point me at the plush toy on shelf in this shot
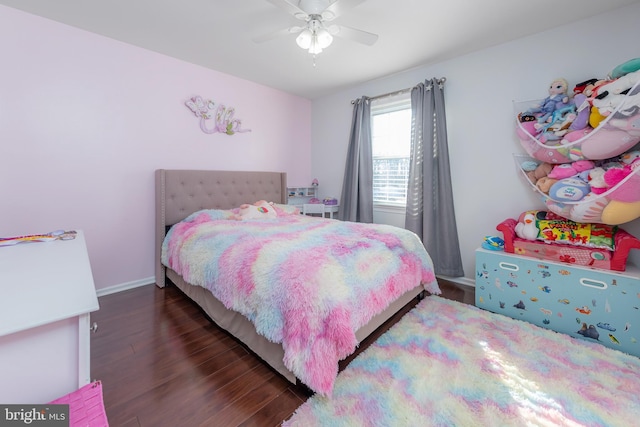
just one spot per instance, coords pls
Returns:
(570, 189)
(625, 68)
(567, 170)
(545, 183)
(557, 100)
(612, 177)
(535, 171)
(596, 180)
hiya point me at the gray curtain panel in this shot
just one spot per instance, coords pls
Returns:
(356, 202)
(430, 213)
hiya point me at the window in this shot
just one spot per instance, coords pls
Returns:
(391, 147)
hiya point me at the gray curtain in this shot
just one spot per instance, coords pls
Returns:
(430, 212)
(356, 202)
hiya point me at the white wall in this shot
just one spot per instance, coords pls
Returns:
(85, 120)
(479, 92)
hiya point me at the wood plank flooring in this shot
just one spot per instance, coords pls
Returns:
(162, 362)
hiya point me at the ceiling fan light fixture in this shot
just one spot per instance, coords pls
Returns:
(315, 47)
(305, 39)
(315, 34)
(324, 38)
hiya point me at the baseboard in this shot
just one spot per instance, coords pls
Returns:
(125, 286)
(460, 280)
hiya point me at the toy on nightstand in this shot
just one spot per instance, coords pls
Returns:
(330, 201)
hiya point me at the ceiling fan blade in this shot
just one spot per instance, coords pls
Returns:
(290, 8)
(339, 7)
(270, 36)
(354, 34)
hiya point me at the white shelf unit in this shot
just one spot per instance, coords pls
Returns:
(300, 195)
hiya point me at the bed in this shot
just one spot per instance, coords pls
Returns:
(187, 193)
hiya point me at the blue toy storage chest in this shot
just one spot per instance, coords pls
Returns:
(582, 302)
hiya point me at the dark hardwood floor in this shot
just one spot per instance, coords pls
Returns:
(162, 362)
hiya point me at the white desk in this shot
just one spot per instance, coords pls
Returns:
(46, 295)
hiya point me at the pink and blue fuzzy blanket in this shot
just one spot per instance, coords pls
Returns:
(305, 282)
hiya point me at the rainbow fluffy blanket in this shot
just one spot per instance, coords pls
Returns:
(451, 364)
(305, 282)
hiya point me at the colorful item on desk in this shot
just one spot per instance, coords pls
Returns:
(331, 201)
(493, 243)
(48, 237)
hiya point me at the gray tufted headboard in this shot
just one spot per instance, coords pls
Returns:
(179, 193)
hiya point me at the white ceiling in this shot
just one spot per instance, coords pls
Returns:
(218, 34)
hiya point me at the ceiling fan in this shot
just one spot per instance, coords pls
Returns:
(314, 35)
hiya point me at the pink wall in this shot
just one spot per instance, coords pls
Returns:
(85, 120)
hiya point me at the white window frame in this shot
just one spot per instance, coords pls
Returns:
(389, 199)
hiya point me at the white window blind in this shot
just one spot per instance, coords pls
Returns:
(391, 147)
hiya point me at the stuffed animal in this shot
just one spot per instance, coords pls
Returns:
(540, 171)
(545, 183)
(575, 140)
(583, 110)
(562, 171)
(591, 89)
(526, 228)
(259, 210)
(621, 85)
(560, 119)
(556, 100)
(582, 86)
(607, 142)
(617, 212)
(567, 170)
(589, 209)
(631, 158)
(612, 96)
(625, 68)
(529, 165)
(596, 180)
(569, 190)
(630, 125)
(630, 190)
(607, 103)
(557, 126)
(595, 117)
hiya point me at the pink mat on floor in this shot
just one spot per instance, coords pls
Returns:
(86, 407)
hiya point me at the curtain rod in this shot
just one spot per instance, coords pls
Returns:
(399, 92)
